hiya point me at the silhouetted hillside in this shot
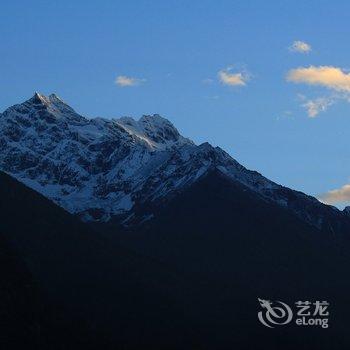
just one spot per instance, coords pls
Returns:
(188, 279)
(122, 298)
(243, 248)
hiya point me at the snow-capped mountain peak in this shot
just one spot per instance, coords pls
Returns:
(38, 99)
(158, 132)
(85, 165)
(102, 168)
(46, 107)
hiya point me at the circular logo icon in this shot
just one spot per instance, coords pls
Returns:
(274, 313)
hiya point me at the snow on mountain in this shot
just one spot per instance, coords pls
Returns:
(105, 168)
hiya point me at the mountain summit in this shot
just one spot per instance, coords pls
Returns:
(196, 237)
(121, 169)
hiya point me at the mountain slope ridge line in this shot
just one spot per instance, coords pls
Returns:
(104, 170)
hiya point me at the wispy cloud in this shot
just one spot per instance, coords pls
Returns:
(336, 196)
(207, 81)
(230, 77)
(317, 105)
(124, 81)
(335, 79)
(300, 46)
(285, 115)
(327, 76)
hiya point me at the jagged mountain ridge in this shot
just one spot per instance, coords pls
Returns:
(101, 169)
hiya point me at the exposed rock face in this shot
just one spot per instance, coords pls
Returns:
(100, 169)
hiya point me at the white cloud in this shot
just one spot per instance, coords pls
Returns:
(228, 77)
(318, 105)
(125, 81)
(336, 196)
(300, 46)
(335, 79)
(327, 76)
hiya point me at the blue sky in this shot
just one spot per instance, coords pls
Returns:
(169, 54)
